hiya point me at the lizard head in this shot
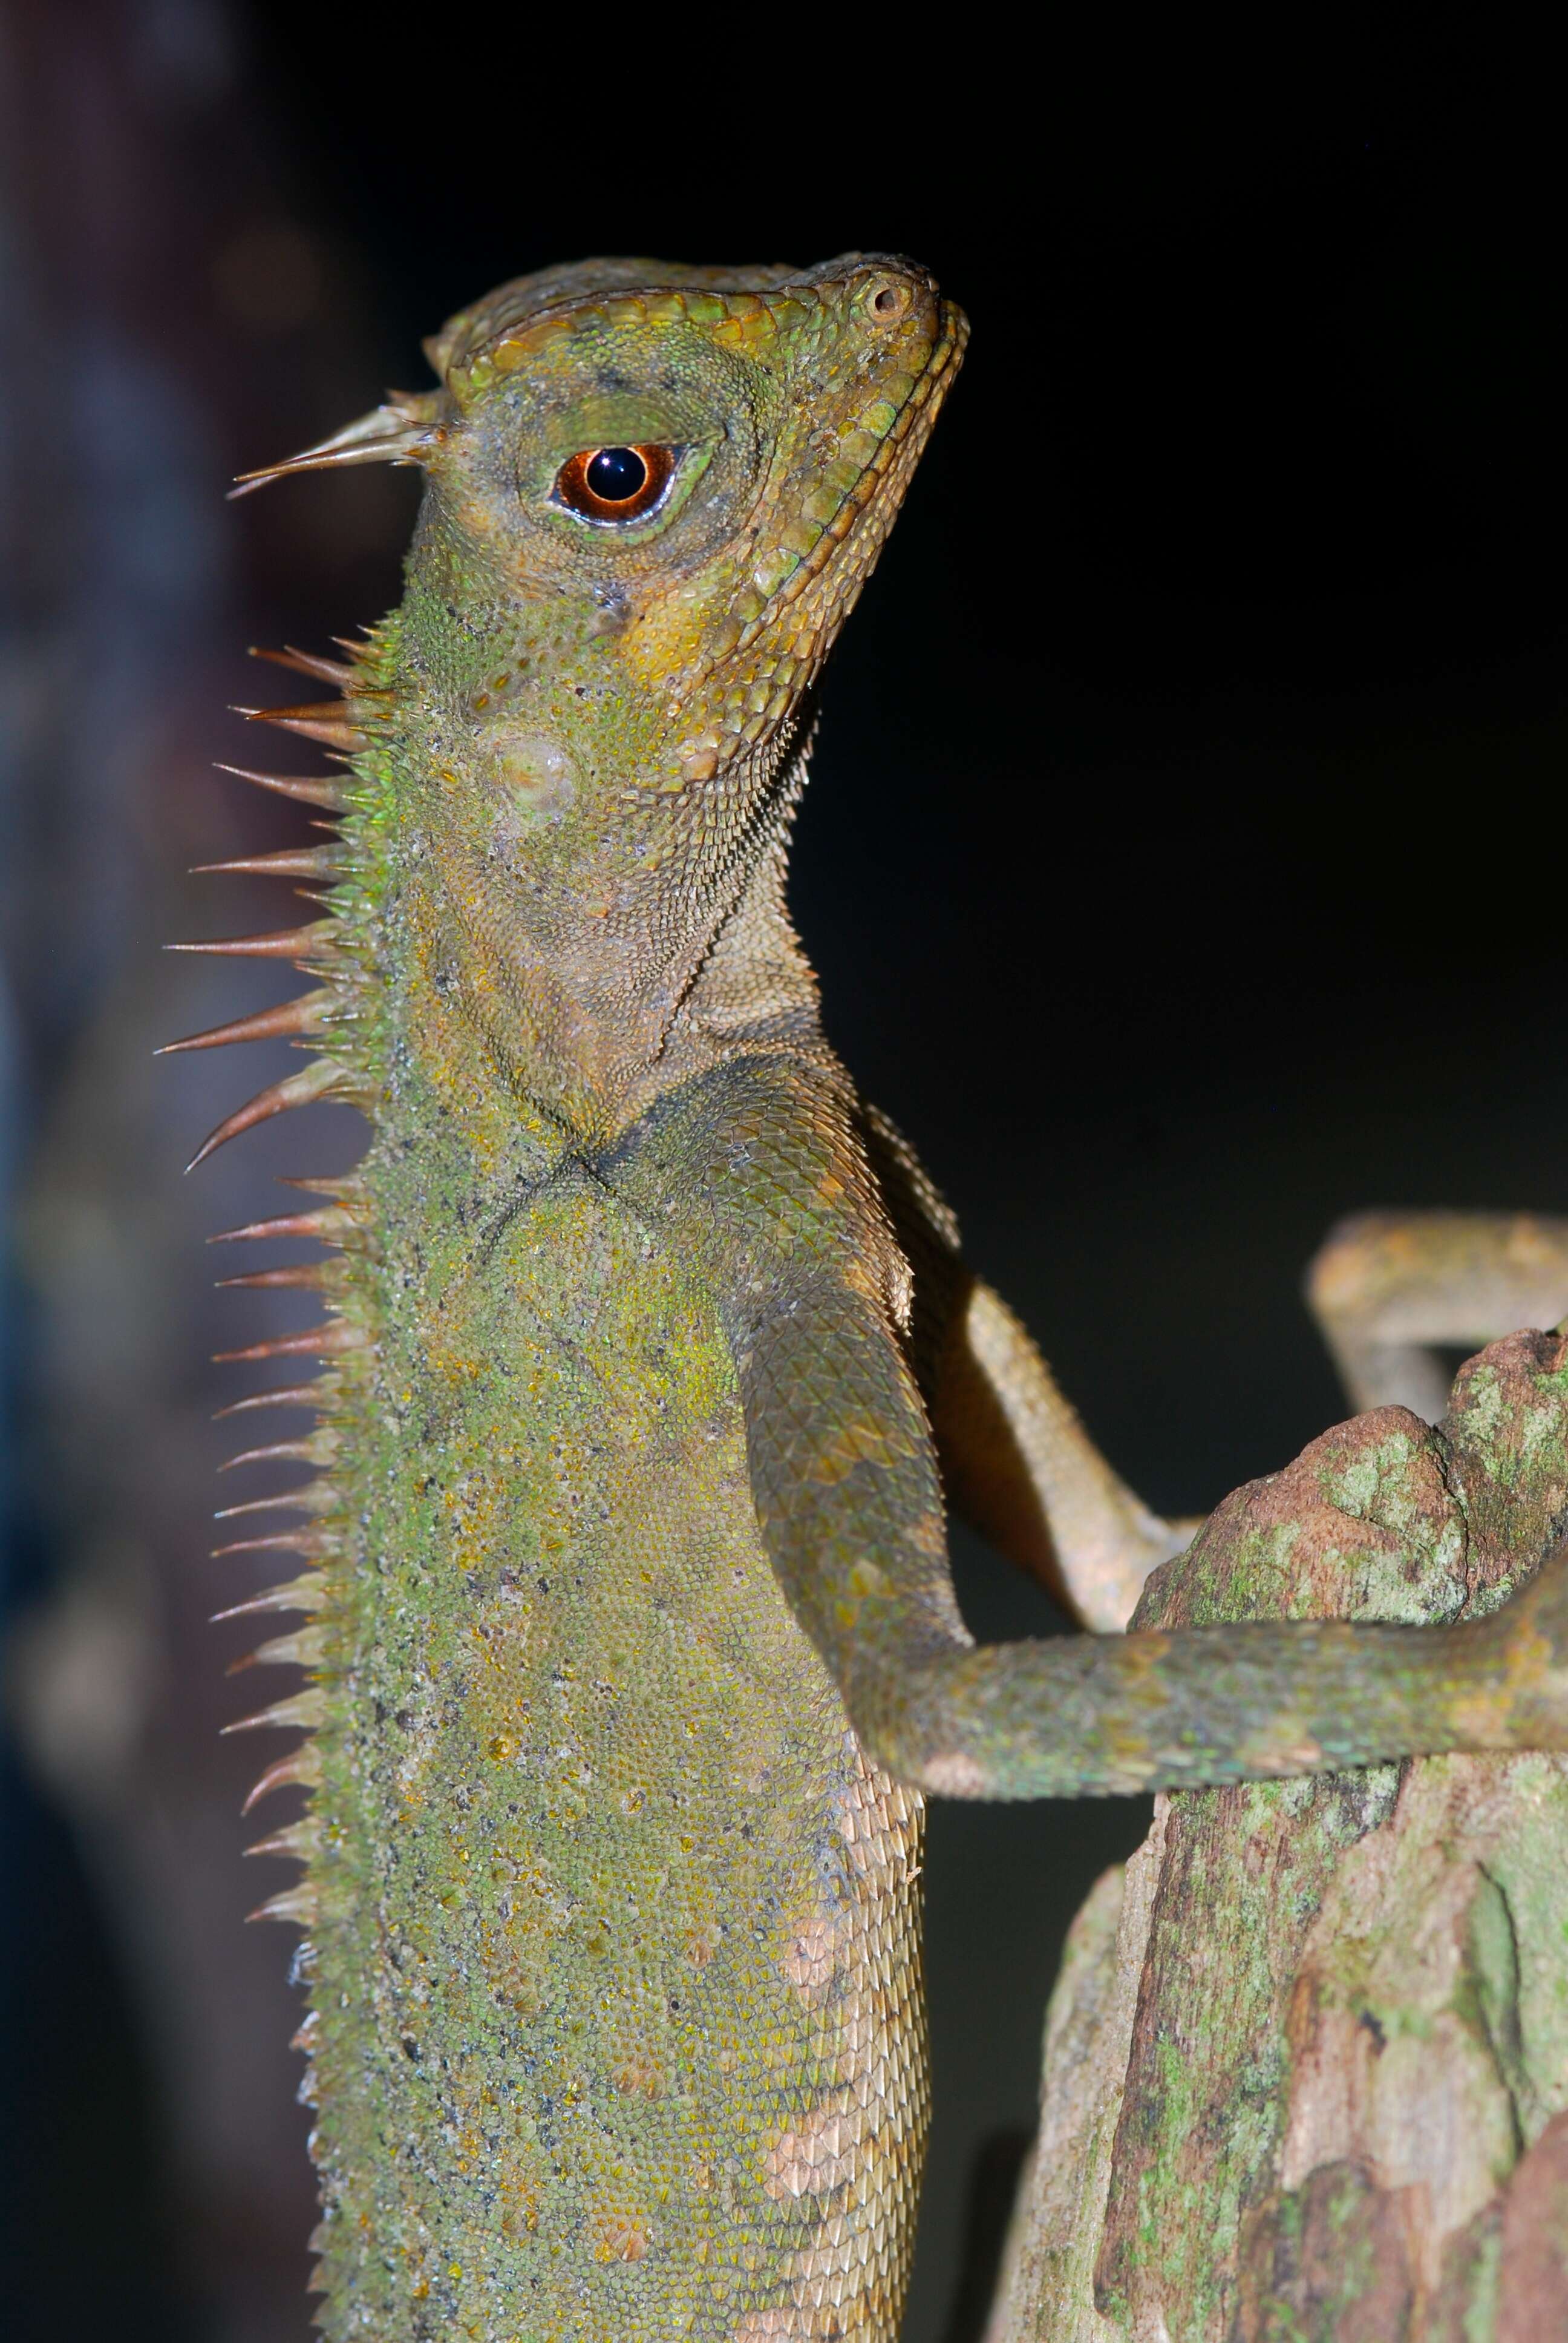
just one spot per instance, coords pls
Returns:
(664, 487)
(699, 468)
(653, 494)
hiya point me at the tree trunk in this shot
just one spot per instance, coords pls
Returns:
(1306, 2064)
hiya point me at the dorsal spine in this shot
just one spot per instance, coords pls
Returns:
(331, 1020)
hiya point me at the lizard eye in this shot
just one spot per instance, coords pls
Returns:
(615, 483)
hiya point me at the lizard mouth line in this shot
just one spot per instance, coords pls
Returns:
(867, 507)
(867, 497)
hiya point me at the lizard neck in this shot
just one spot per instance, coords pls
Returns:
(583, 929)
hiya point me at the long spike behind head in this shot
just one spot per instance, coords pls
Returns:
(397, 432)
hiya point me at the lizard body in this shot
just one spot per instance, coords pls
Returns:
(630, 1642)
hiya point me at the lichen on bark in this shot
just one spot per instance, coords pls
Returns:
(1306, 2064)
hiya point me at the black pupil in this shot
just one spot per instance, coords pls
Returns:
(616, 474)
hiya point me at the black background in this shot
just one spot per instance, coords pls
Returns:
(1183, 856)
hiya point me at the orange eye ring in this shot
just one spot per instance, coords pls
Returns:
(615, 483)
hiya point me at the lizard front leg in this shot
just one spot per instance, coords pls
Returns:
(778, 1200)
(1388, 1290)
(1018, 1465)
(1016, 1461)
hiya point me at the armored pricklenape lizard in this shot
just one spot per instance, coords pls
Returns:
(629, 1647)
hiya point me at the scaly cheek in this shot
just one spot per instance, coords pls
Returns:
(667, 641)
(668, 660)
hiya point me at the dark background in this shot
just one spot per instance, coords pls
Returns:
(1182, 859)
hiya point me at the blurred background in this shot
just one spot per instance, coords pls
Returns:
(1183, 858)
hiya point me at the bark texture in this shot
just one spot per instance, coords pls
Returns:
(1306, 2064)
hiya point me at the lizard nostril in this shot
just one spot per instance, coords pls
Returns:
(887, 300)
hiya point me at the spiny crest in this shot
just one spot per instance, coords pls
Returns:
(322, 1020)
